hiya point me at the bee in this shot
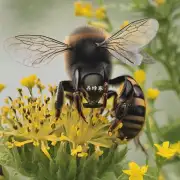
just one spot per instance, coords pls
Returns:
(88, 57)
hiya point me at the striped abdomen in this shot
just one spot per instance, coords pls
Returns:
(134, 120)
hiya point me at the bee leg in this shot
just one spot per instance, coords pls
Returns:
(105, 95)
(76, 95)
(70, 97)
(118, 80)
(63, 86)
(138, 144)
(76, 98)
(113, 94)
(120, 113)
(123, 104)
(78, 102)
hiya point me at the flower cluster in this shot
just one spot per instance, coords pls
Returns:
(31, 120)
(29, 81)
(96, 17)
(85, 9)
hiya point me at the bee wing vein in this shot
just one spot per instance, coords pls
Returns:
(34, 50)
(127, 43)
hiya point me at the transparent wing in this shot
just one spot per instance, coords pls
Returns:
(127, 43)
(34, 50)
(147, 59)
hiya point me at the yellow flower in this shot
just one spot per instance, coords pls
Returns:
(44, 149)
(2, 86)
(135, 172)
(78, 8)
(6, 100)
(33, 77)
(160, 2)
(5, 110)
(82, 154)
(103, 119)
(19, 144)
(83, 9)
(140, 76)
(125, 23)
(98, 151)
(165, 150)
(36, 143)
(87, 13)
(29, 81)
(152, 93)
(176, 147)
(32, 120)
(52, 89)
(100, 13)
(77, 150)
(64, 138)
(39, 85)
(9, 144)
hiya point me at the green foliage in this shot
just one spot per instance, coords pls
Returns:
(165, 47)
(170, 132)
(63, 166)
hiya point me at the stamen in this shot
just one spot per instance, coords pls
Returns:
(15, 127)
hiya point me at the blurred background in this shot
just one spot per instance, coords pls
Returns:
(56, 19)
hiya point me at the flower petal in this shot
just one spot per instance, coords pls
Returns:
(136, 178)
(133, 166)
(128, 172)
(165, 144)
(44, 149)
(157, 146)
(144, 169)
(19, 144)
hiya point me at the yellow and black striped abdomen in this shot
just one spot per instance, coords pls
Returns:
(135, 119)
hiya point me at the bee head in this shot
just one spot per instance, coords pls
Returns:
(93, 86)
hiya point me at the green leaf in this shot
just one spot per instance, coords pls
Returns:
(72, 169)
(112, 162)
(104, 163)
(6, 158)
(53, 168)
(152, 174)
(43, 173)
(12, 174)
(109, 176)
(120, 154)
(30, 167)
(89, 168)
